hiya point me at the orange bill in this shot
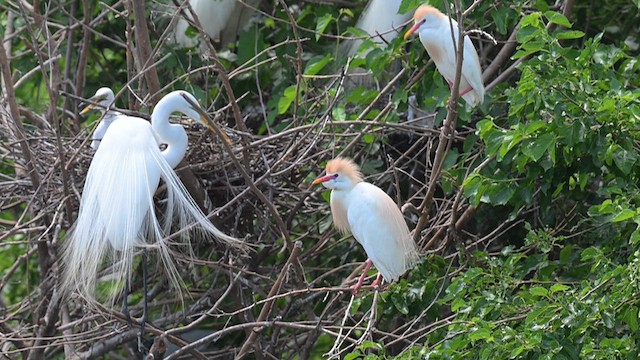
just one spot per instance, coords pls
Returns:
(322, 179)
(413, 29)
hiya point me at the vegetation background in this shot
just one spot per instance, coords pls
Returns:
(527, 208)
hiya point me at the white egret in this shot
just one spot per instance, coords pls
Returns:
(222, 20)
(117, 214)
(379, 19)
(372, 217)
(103, 99)
(434, 29)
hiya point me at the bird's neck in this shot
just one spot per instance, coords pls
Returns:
(172, 135)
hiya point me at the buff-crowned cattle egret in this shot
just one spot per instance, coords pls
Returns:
(117, 214)
(372, 217)
(434, 29)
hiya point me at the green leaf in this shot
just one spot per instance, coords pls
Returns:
(559, 288)
(322, 24)
(339, 113)
(352, 356)
(625, 160)
(537, 147)
(568, 34)
(409, 5)
(631, 318)
(480, 334)
(316, 64)
(623, 215)
(287, 99)
(538, 291)
(557, 18)
(456, 304)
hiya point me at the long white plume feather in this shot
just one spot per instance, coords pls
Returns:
(117, 214)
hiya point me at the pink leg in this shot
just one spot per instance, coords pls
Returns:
(466, 91)
(356, 287)
(469, 89)
(378, 281)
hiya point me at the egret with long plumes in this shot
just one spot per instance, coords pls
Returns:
(117, 214)
(372, 217)
(434, 29)
(103, 100)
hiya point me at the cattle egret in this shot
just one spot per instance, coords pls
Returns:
(103, 99)
(434, 29)
(372, 217)
(117, 214)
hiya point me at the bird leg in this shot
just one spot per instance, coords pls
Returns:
(468, 90)
(143, 321)
(356, 287)
(125, 298)
(465, 92)
(378, 281)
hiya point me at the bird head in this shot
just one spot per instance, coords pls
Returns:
(187, 107)
(425, 16)
(341, 174)
(102, 99)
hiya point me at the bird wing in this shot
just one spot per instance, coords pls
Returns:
(116, 200)
(377, 224)
(472, 73)
(446, 63)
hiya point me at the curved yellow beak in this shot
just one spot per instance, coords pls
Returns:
(225, 137)
(87, 109)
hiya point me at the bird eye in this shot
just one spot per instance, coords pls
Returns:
(335, 176)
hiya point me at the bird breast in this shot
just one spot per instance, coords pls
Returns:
(339, 211)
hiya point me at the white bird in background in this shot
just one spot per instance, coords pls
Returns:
(103, 99)
(222, 20)
(380, 17)
(117, 214)
(434, 29)
(372, 217)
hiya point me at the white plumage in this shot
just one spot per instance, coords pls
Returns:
(104, 98)
(379, 17)
(434, 29)
(372, 217)
(117, 214)
(222, 20)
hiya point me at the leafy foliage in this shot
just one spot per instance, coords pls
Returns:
(531, 243)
